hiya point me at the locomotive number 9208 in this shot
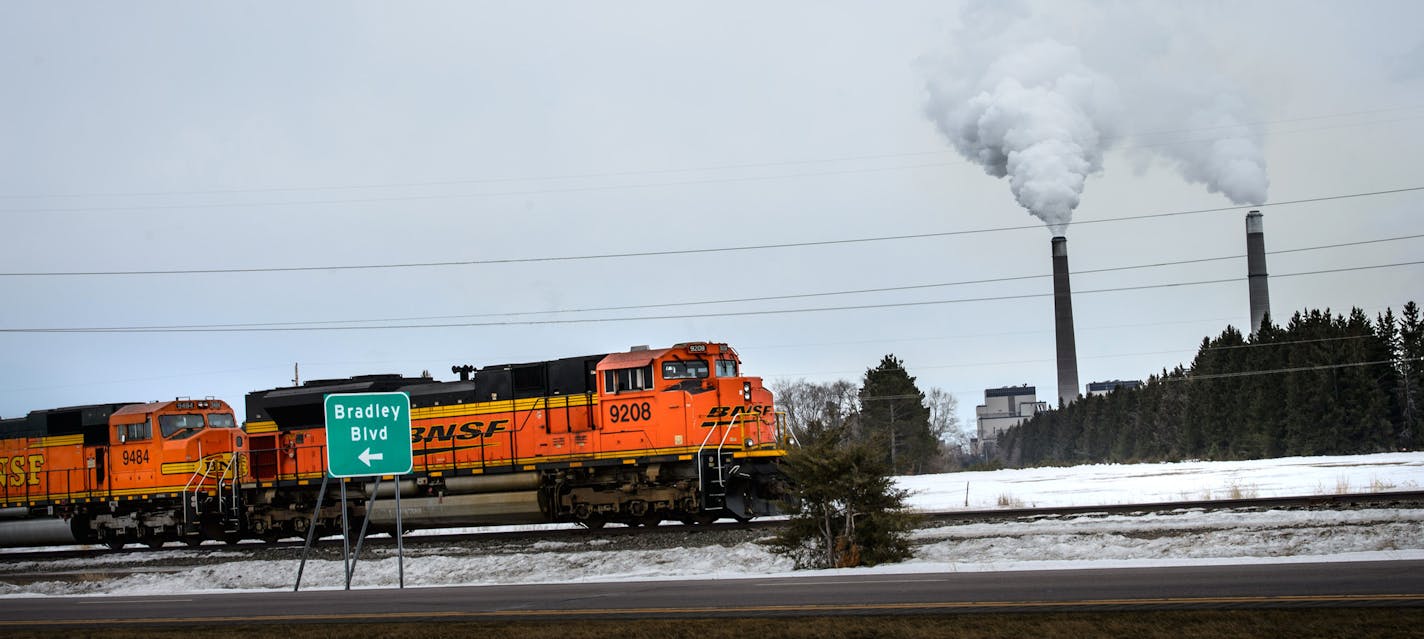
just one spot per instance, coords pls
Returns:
(630, 412)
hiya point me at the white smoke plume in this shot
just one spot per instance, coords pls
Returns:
(1222, 151)
(1036, 115)
(1017, 96)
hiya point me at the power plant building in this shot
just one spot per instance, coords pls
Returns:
(1003, 408)
(1103, 388)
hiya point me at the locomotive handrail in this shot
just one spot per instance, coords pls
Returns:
(784, 433)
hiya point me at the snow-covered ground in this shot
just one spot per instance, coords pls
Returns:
(1110, 484)
(1182, 537)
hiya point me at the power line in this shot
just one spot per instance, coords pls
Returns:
(270, 328)
(751, 247)
(770, 298)
(1093, 357)
(1276, 371)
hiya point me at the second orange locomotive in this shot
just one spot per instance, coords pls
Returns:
(635, 437)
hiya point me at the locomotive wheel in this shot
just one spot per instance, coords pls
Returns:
(153, 543)
(593, 523)
(193, 541)
(114, 544)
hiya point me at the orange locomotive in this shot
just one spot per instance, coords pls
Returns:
(121, 473)
(635, 438)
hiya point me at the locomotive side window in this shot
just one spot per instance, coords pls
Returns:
(726, 368)
(624, 380)
(695, 369)
(136, 432)
(179, 426)
(221, 420)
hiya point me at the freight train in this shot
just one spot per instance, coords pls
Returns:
(632, 438)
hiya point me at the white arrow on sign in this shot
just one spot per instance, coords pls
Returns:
(366, 456)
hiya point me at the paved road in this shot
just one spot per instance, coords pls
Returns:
(1386, 583)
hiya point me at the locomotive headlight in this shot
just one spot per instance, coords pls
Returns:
(747, 391)
(750, 443)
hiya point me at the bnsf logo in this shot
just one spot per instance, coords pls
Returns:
(728, 415)
(20, 470)
(465, 431)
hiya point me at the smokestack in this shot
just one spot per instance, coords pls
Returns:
(1063, 324)
(1256, 270)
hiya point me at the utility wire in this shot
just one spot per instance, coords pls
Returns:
(770, 298)
(1297, 369)
(751, 247)
(270, 328)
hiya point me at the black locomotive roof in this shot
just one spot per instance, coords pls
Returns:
(91, 420)
(303, 406)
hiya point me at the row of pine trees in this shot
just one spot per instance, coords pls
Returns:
(1321, 384)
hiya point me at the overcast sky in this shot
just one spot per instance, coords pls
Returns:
(181, 136)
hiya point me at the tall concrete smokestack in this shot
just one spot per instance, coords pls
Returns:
(1063, 324)
(1256, 270)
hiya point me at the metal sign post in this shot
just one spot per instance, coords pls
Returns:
(368, 435)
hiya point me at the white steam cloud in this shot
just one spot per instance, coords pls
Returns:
(1037, 116)
(1027, 105)
(1223, 151)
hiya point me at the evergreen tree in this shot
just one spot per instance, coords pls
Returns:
(1409, 358)
(845, 510)
(1321, 384)
(894, 419)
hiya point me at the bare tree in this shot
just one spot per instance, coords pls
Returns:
(944, 419)
(833, 404)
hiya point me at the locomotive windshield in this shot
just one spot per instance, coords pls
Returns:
(221, 420)
(693, 369)
(179, 426)
(726, 368)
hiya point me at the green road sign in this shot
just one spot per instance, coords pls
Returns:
(368, 434)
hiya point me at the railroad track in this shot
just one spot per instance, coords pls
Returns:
(711, 532)
(1397, 499)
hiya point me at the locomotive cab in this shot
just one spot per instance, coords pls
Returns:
(692, 397)
(697, 384)
(186, 454)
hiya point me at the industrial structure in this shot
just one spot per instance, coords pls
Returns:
(1003, 408)
(1063, 324)
(1103, 388)
(1256, 270)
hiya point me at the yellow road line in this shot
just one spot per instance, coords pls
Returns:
(808, 608)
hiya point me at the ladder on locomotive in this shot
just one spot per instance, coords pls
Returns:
(715, 467)
(226, 476)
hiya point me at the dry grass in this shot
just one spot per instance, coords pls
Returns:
(1009, 501)
(1378, 485)
(1239, 491)
(1272, 624)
